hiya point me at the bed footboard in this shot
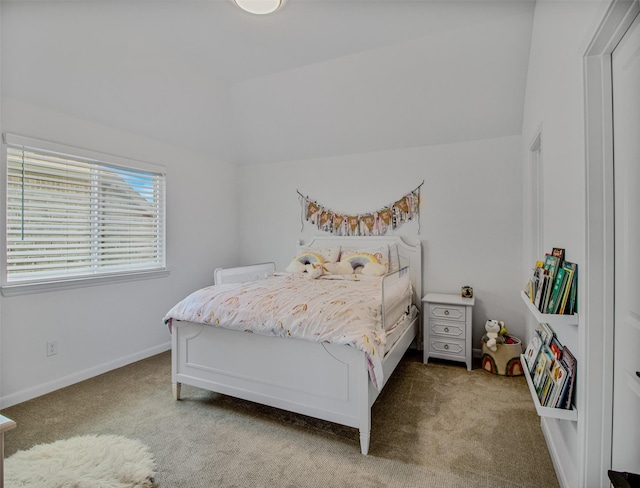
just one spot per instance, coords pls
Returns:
(324, 381)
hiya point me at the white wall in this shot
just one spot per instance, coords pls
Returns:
(1, 376)
(114, 63)
(102, 327)
(470, 219)
(554, 106)
(89, 75)
(555, 102)
(336, 111)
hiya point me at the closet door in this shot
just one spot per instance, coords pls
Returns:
(626, 135)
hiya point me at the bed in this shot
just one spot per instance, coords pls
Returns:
(318, 377)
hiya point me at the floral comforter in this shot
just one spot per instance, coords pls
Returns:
(339, 311)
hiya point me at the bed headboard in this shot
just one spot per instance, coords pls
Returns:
(410, 254)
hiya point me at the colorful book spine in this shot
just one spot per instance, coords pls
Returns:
(566, 292)
(551, 267)
(558, 286)
(573, 293)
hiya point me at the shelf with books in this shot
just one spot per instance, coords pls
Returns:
(558, 413)
(551, 370)
(552, 287)
(551, 318)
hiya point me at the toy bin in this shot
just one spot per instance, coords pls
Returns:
(506, 359)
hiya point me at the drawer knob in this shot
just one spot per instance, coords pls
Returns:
(446, 312)
(446, 346)
(446, 329)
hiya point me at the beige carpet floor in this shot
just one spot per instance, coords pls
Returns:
(434, 425)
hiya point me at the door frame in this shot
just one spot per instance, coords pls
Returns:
(597, 319)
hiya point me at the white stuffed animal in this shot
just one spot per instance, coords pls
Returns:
(491, 338)
(339, 268)
(313, 271)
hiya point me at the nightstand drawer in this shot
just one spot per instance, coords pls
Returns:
(450, 312)
(447, 346)
(453, 330)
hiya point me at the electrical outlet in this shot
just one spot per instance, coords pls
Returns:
(52, 348)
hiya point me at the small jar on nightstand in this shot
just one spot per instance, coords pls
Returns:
(447, 327)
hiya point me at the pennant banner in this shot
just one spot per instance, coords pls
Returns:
(367, 224)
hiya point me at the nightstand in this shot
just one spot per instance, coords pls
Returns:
(447, 327)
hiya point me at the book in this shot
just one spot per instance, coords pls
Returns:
(573, 294)
(540, 292)
(559, 253)
(571, 366)
(555, 296)
(558, 377)
(569, 270)
(529, 290)
(532, 286)
(541, 331)
(546, 333)
(551, 265)
(538, 273)
(561, 402)
(543, 367)
(532, 351)
(540, 366)
(555, 347)
(546, 387)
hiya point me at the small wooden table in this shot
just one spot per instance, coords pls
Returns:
(5, 425)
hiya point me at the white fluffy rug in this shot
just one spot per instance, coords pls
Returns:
(92, 461)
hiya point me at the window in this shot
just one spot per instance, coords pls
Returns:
(74, 214)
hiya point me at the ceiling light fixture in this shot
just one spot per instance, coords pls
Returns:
(259, 7)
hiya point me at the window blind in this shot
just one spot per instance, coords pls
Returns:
(73, 216)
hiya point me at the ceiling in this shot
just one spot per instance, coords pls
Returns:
(231, 45)
(187, 69)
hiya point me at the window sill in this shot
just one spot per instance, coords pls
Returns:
(16, 289)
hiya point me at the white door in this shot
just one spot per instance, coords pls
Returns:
(626, 135)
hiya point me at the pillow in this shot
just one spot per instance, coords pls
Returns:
(295, 267)
(381, 253)
(307, 257)
(339, 268)
(329, 254)
(374, 269)
(358, 259)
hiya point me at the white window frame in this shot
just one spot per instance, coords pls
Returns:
(10, 288)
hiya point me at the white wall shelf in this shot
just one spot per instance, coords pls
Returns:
(548, 318)
(558, 413)
(552, 320)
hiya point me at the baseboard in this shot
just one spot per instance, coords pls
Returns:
(549, 432)
(36, 391)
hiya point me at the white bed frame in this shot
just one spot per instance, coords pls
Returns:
(325, 381)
